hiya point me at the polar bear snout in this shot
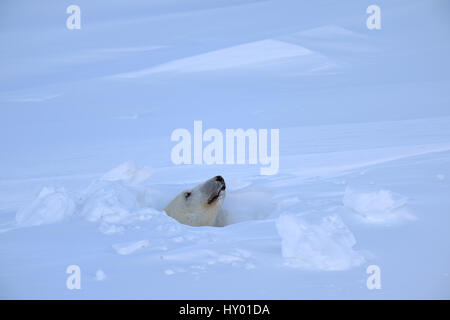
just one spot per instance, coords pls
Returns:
(220, 179)
(215, 188)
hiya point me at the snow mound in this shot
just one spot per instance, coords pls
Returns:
(324, 245)
(259, 54)
(247, 205)
(50, 206)
(381, 206)
(116, 200)
(129, 173)
(117, 205)
(108, 201)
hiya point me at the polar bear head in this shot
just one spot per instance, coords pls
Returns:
(200, 205)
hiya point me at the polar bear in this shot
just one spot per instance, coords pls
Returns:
(198, 206)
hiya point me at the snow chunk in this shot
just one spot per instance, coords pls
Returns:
(169, 272)
(130, 247)
(382, 206)
(51, 205)
(100, 275)
(114, 202)
(326, 245)
(108, 201)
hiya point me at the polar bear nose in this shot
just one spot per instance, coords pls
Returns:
(220, 179)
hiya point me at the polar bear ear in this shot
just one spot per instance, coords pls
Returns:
(187, 194)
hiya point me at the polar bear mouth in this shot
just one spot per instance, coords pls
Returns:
(217, 195)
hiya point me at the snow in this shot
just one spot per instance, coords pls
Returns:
(326, 245)
(259, 54)
(128, 248)
(85, 168)
(51, 205)
(128, 173)
(100, 275)
(381, 206)
(247, 205)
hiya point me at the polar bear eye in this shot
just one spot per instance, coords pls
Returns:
(187, 194)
